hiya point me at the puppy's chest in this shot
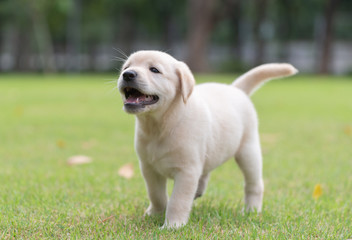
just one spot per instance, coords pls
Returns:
(158, 154)
(151, 151)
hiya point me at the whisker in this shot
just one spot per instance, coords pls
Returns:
(112, 90)
(123, 57)
(121, 52)
(118, 70)
(118, 59)
(111, 82)
(168, 50)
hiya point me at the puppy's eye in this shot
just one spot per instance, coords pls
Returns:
(154, 70)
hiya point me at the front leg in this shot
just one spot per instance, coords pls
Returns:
(180, 204)
(157, 190)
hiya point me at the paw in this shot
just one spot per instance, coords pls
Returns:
(251, 209)
(173, 225)
(254, 197)
(254, 202)
(151, 211)
(198, 195)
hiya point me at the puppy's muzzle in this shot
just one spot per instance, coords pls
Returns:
(135, 95)
(129, 75)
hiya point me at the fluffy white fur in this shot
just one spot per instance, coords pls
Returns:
(193, 129)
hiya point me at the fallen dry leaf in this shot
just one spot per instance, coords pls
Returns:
(60, 144)
(126, 171)
(89, 144)
(317, 192)
(106, 219)
(348, 130)
(270, 138)
(79, 159)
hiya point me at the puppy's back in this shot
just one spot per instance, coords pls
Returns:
(231, 113)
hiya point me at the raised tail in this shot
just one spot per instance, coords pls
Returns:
(253, 79)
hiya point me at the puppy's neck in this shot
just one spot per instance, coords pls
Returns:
(162, 122)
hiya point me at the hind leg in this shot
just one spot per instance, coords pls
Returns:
(202, 184)
(249, 159)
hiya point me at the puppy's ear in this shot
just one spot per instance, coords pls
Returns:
(186, 80)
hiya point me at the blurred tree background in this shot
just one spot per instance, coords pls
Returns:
(210, 35)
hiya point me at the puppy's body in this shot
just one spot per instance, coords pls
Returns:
(213, 128)
(183, 132)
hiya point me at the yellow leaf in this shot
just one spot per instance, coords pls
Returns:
(126, 171)
(348, 130)
(318, 191)
(79, 159)
(60, 143)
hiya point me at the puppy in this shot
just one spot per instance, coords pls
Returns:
(184, 131)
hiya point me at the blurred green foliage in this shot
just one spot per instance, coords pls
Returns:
(99, 17)
(87, 26)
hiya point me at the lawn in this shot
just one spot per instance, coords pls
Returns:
(306, 134)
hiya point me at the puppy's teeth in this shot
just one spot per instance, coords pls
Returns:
(137, 100)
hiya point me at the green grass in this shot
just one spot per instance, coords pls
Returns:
(306, 129)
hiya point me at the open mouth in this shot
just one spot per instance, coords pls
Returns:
(135, 98)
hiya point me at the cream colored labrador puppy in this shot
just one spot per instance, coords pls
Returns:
(184, 131)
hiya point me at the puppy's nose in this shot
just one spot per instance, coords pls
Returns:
(129, 75)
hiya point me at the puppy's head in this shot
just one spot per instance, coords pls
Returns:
(152, 80)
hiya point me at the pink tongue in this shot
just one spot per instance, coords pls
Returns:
(134, 99)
